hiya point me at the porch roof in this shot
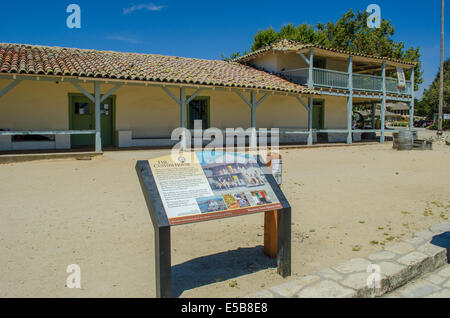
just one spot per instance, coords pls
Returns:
(83, 63)
(294, 46)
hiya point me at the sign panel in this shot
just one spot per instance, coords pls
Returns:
(401, 78)
(202, 186)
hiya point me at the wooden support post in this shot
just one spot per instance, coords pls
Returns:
(271, 234)
(271, 220)
(412, 106)
(254, 135)
(282, 219)
(310, 121)
(383, 104)
(183, 123)
(98, 119)
(350, 102)
(309, 110)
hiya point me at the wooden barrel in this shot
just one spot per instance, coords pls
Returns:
(405, 140)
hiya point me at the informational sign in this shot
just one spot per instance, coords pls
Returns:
(401, 78)
(203, 186)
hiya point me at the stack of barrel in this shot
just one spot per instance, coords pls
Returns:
(408, 140)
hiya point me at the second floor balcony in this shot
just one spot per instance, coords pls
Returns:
(340, 80)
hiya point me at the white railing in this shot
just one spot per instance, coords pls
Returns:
(339, 80)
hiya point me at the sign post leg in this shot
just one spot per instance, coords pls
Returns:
(163, 266)
(284, 242)
(271, 234)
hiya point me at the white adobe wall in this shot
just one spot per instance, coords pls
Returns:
(149, 112)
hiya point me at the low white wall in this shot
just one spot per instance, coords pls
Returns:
(125, 140)
(61, 142)
(33, 145)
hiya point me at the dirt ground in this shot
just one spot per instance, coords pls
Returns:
(347, 202)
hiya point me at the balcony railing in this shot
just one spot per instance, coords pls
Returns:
(339, 80)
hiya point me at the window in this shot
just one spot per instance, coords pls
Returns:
(198, 109)
(320, 63)
(82, 109)
(104, 109)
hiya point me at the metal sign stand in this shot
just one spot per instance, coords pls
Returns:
(161, 224)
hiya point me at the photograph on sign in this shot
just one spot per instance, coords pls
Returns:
(212, 185)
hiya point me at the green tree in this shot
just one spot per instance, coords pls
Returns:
(349, 33)
(429, 105)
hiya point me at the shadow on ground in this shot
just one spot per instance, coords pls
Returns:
(219, 267)
(443, 241)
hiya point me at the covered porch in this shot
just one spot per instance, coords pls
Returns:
(145, 114)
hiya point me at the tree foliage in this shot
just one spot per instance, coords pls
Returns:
(429, 105)
(349, 33)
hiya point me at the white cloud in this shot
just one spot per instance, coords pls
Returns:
(124, 38)
(148, 7)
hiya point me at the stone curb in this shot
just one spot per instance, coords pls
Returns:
(387, 270)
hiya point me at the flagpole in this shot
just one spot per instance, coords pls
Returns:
(441, 93)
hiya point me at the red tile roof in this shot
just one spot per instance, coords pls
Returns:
(294, 46)
(31, 59)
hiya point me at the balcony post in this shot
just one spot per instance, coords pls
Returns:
(350, 102)
(311, 70)
(383, 103)
(411, 109)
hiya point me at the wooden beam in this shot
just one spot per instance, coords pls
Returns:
(194, 96)
(10, 87)
(304, 57)
(171, 95)
(262, 99)
(303, 103)
(53, 78)
(243, 97)
(82, 90)
(112, 91)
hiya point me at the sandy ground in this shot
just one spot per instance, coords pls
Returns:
(347, 202)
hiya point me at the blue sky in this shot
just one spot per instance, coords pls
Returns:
(206, 29)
